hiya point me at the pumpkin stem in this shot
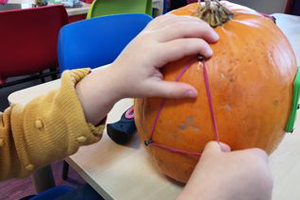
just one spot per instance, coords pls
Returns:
(214, 13)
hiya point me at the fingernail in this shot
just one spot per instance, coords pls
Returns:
(192, 93)
(216, 36)
(210, 52)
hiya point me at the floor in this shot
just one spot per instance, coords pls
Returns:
(15, 189)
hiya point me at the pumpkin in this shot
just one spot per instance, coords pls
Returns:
(250, 79)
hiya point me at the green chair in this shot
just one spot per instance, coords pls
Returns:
(109, 7)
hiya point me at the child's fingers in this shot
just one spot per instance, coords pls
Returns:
(168, 89)
(168, 19)
(215, 147)
(155, 23)
(173, 19)
(180, 48)
(188, 30)
(224, 147)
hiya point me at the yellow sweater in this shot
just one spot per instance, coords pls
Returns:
(48, 128)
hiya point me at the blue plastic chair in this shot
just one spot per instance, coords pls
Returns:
(50, 194)
(98, 41)
(165, 9)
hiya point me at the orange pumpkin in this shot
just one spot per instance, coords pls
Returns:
(251, 78)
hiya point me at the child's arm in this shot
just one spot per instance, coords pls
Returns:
(225, 175)
(48, 128)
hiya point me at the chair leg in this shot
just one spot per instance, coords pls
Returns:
(42, 78)
(27, 197)
(177, 4)
(65, 170)
(54, 76)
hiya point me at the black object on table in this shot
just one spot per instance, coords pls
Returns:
(122, 131)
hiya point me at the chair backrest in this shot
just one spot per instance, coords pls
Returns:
(296, 8)
(97, 41)
(109, 7)
(29, 39)
(292, 7)
(165, 6)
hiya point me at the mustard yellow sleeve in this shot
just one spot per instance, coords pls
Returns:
(49, 128)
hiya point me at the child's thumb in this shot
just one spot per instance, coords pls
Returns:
(215, 147)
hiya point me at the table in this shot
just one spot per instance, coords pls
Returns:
(158, 4)
(127, 172)
(21, 4)
(285, 161)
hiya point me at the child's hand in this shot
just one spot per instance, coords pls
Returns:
(136, 72)
(240, 175)
(167, 38)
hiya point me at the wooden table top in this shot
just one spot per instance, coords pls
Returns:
(127, 172)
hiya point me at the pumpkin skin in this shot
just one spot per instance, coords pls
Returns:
(251, 78)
